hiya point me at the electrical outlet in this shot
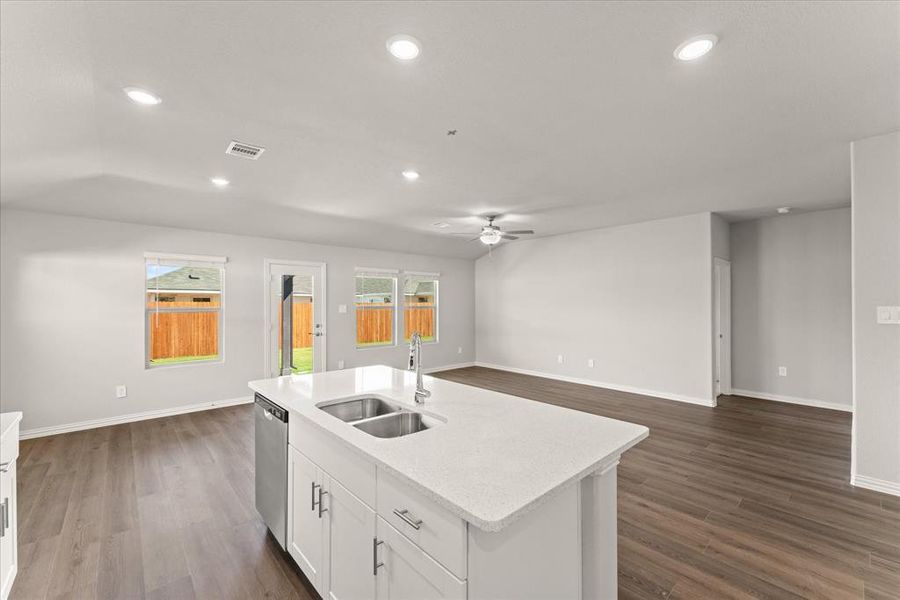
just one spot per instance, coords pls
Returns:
(340, 364)
(591, 363)
(342, 308)
(782, 371)
(559, 358)
(121, 391)
(459, 350)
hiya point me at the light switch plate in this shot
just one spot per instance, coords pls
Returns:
(782, 371)
(887, 315)
(121, 391)
(342, 308)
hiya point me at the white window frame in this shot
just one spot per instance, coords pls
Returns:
(437, 302)
(185, 260)
(393, 275)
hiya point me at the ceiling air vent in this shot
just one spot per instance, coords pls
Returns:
(244, 150)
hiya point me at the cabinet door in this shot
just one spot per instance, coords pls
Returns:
(351, 540)
(306, 526)
(8, 529)
(408, 573)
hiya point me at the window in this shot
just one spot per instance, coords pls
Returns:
(375, 307)
(420, 302)
(183, 306)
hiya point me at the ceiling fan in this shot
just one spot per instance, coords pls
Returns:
(492, 234)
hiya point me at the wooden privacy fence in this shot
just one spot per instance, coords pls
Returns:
(374, 322)
(179, 334)
(183, 334)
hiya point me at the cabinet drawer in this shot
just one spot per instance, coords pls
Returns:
(433, 528)
(341, 462)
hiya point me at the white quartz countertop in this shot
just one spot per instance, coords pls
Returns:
(7, 420)
(491, 457)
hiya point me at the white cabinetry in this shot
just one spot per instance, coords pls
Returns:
(406, 572)
(307, 530)
(351, 553)
(360, 533)
(9, 452)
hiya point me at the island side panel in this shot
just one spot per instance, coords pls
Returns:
(536, 557)
(599, 539)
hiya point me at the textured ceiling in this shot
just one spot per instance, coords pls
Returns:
(569, 115)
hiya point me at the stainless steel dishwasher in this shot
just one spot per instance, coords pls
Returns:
(271, 433)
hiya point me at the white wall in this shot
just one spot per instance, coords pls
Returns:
(876, 282)
(636, 299)
(72, 315)
(791, 307)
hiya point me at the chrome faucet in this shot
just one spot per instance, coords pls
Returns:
(415, 364)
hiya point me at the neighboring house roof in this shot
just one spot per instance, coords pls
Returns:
(367, 286)
(188, 279)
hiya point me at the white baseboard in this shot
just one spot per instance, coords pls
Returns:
(878, 485)
(792, 400)
(602, 384)
(131, 418)
(448, 367)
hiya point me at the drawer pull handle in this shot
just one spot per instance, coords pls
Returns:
(375, 563)
(409, 520)
(321, 508)
(4, 467)
(313, 490)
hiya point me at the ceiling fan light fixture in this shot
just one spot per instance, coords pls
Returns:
(490, 237)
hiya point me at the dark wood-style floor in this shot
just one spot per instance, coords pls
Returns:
(747, 500)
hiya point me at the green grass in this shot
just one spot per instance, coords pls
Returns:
(182, 359)
(302, 361)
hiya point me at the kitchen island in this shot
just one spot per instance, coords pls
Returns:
(495, 497)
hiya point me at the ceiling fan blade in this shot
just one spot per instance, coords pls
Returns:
(475, 239)
(510, 237)
(520, 232)
(464, 233)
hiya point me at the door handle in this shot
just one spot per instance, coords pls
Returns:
(375, 563)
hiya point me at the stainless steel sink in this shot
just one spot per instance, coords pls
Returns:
(358, 409)
(395, 425)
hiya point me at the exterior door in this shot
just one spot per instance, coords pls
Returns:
(295, 318)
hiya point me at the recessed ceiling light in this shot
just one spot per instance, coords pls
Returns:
(410, 175)
(219, 181)
(784, 210)
(403, 47)
(441, 225)
(695, 47)
(142, 96)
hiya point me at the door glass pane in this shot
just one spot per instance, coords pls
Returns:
(302, 326)
(374, 311)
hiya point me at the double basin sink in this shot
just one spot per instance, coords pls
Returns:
(376, 416)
